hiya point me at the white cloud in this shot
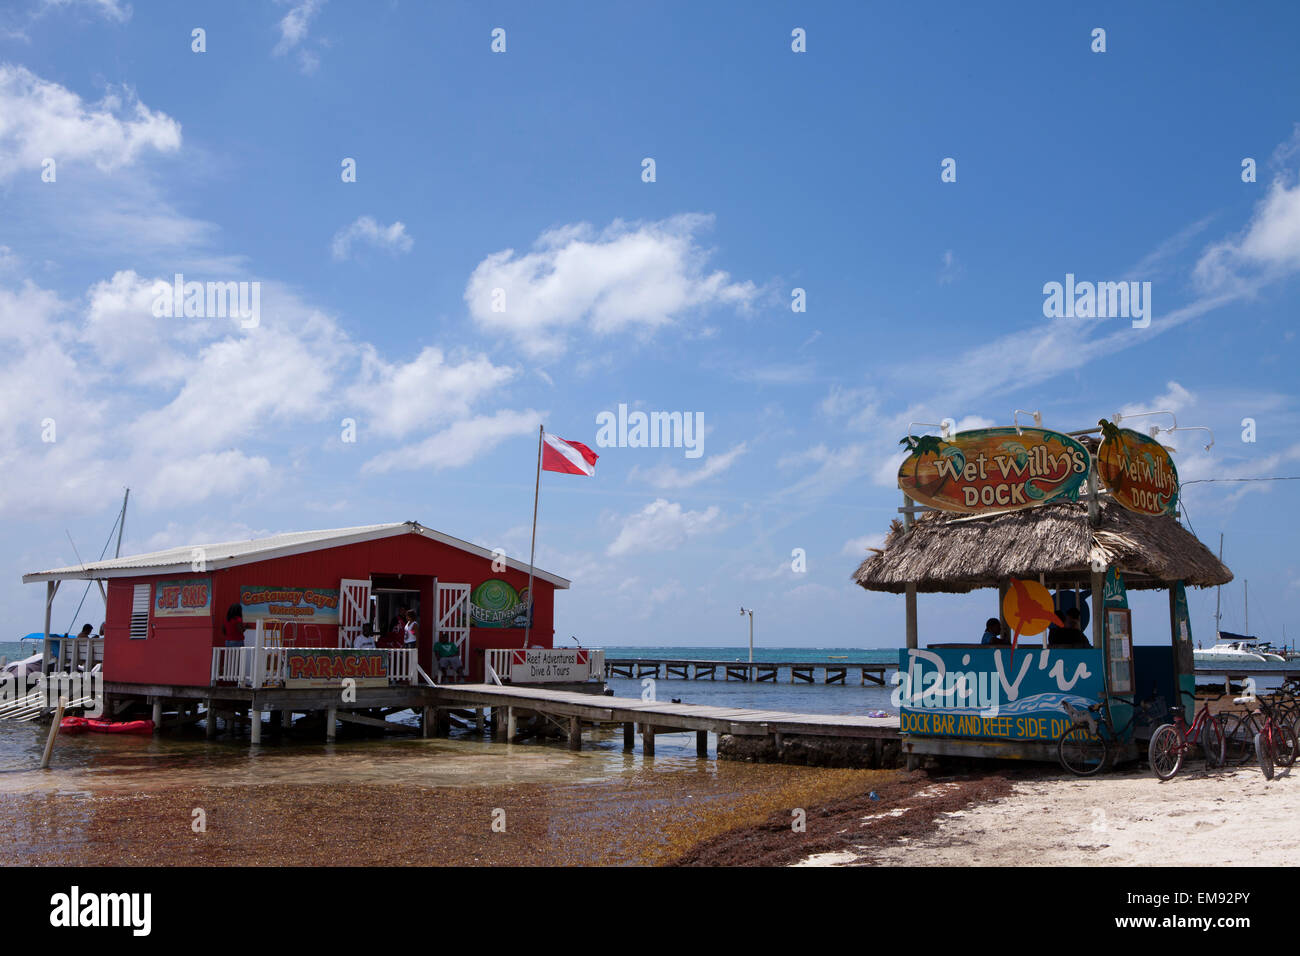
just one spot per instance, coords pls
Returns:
(40, 120)
(1268, 248)
(365, 229)
(108, 9)
(459, 444)
(640, 276)
(1175, 399)
(400, 398)
(184, 481)
(857, 547)
(951, 269)
(293, 33)
(667, 478)
(660, 526)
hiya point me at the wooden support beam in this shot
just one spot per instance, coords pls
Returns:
(426, 722)
(479, 719)
(157, 715)
(629, 737)
(512, 725)
(648, 740)
(575, 734)
(347, 717)
(701, 743)
(210, 729)
(255, 716)
(331, 728)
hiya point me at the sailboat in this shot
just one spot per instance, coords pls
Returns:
(1235, 648)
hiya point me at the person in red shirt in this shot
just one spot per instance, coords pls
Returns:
(234, 627)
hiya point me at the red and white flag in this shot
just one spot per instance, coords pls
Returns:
(567, 457)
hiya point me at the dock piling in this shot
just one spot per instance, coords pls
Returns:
(331, 730)
(629, 737)
(157, 715)
(210, 725)
(575, 734)
(701, 743)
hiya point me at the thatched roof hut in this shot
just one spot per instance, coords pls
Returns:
(959, 553)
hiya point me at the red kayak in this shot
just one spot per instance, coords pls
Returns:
(80, 725)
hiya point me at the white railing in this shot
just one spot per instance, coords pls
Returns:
(243, 667)
(498, 659)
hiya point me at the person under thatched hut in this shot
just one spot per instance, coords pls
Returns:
(1071, 635)
(993, 632)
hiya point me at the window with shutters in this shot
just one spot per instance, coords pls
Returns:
(140, 612)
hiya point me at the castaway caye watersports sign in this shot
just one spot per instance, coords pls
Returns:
(1137, 471)
(993, 469)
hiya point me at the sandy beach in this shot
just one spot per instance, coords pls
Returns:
(1130, 819)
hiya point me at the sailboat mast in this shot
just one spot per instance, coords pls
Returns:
(1246, 587)
(121, 524)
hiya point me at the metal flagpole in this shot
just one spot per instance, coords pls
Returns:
(532, 550)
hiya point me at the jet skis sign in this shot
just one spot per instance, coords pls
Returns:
(1137, 470)
(993, 469)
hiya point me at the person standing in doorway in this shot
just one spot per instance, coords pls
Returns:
(412, 629)
(235, 625)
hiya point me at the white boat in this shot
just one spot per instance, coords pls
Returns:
(1235, 649)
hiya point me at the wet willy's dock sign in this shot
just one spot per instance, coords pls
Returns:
(993, 469)
(1138, 471)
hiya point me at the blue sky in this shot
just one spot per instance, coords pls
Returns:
(522, 170)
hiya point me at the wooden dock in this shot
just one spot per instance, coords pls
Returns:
(650, 718)
(832, 672)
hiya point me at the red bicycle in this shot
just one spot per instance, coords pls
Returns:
(1172, 742)
(1276, 743)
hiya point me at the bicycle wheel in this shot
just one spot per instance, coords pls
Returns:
(1286, 746)
(1212, 743)
(1082, 752)
(1239, 739)
(1264, 754)
(1166, 751)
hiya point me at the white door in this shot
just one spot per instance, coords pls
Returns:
(354, 610)
(453, 617)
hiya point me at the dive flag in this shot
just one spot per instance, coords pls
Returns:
(567, 457)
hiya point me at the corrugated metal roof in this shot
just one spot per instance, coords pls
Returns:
(233, 553)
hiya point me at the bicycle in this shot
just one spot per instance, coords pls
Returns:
(1171, 742)
(1087, 745)
(1275, 743)
(1240, 730)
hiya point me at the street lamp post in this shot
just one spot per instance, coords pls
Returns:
(750, 612)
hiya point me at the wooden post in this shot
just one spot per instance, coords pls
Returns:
(210, 725)
(911, 615)
(1003, 587)
(54, 732)
(255, 719)
(575, 733)
(479, 719)
(648, 740)
(426, 722)
(498, 722)
(910, 589)
(629, 737)
(701, 743)
(157, 715)
(512, 725)
(331, 715)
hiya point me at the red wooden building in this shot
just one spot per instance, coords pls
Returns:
(167, 609)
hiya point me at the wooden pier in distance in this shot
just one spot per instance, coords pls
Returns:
(650, 718)
(833, 672)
